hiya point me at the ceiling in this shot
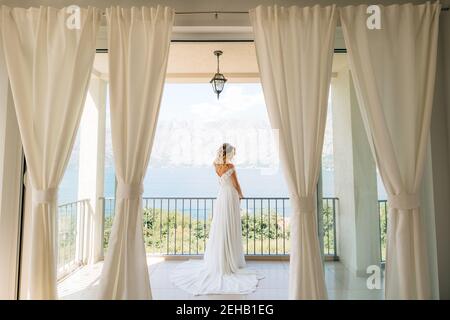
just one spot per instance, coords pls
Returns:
(195, 62)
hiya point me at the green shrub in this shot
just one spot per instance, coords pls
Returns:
(174, 233)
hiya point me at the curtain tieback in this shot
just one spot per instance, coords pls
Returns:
(305, 204)
(404, 201)
(44, 196)
(129, 191)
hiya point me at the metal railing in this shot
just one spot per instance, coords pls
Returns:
(382, 211)
(70, 221)
(180, 226)
(329, 226)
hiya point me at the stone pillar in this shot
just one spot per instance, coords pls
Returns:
(355, 180)
(91, 173)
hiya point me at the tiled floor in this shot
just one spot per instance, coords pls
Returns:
(83, 283)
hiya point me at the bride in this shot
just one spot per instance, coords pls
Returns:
(222, 271)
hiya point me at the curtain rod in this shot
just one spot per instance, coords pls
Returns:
(202, 12)
(216, 13)
(210, 12)
(240, 12)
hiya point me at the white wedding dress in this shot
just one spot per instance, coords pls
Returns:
(222, 271)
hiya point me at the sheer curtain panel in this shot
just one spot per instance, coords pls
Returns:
(394, 72)
(294, 47)
(49, 66)
(139, 40)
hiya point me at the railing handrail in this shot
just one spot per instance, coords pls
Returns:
(74, 202)
(213, 198)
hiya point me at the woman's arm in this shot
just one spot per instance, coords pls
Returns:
(236, 184)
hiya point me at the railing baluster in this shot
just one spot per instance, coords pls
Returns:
(196, 227)
(61, 247)
(379, 224)
(71, 237)
(284, 229)
(334, 228)
(175, 235)
(382, 216)
(330, 226)
(212, 213)
(268, 215)
(160, 225)
(168, 225)
(60, 234)
(63, 237)
(103, 206)
(154, 227)
(182, 226)
(254, 226)
(66, 237)
(204, 225)
(276, 226)
(58, 239)
(150, 225)
(328, 218)
(385, 226)
(246, 220)
(81, 204)
(262, 231)
(190, 225)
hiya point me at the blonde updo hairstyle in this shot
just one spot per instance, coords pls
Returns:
(225, 154)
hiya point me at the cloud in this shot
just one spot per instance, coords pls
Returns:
(193, 123)
(191, 130)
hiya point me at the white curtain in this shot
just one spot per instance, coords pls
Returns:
(49, 66)
(394, 71)
(139, 40)
(294, 48)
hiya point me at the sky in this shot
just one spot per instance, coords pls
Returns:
(192, 125)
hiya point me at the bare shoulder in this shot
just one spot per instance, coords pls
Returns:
(225, 166)
(229, 166)
(222, 168)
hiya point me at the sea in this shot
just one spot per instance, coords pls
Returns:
(193, 182)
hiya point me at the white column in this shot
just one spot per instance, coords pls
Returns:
(91, 173)
(440, 155)
(355, 180)
(10, 189)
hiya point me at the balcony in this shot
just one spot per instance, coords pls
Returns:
(177, 228)
(180, 226)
